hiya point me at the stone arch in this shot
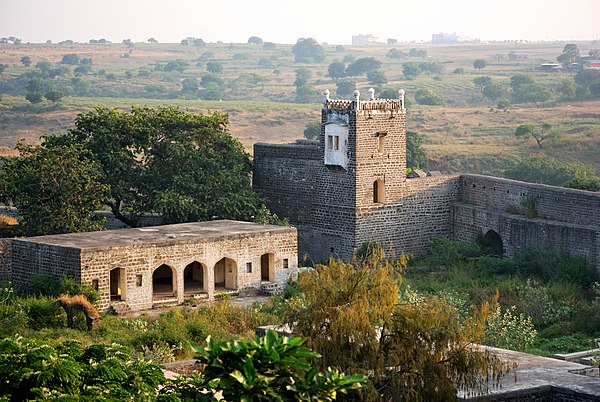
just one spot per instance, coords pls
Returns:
(164, 282)
(225, 273)
(493, 242)
(378, 192)
(195, 277)
(267, 267)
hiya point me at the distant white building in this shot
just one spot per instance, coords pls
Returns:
(367, 39)
(444, 37)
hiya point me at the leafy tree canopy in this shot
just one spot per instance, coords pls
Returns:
(539, 134)
(416, 155)
(308, 50)
(362, 66)
(70, 59)
(336, 70)
(26, 61)
(312, 130)
(184, 166)
(479, 64)
(255, 40)
(428, 97)
(56, 189)
(569, 54)
(357, 317)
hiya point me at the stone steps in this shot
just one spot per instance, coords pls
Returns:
(270, 288)
(168, 302)
(120, 307)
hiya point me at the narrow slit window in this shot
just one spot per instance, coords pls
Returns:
(285, 263)
(249, 267)
(336, 142)
(329, 142)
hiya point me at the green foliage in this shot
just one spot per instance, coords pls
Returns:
(184, 166)
(519, 80)
(362, 66)
(377, 77)
(54, 96)
(530, 205)
(510, 330)
(267, 369)
(70, 59)
(482, 82)
(312, 130)
(32, 370)
(307, 50)
(26, 61)
(55, 188)
(569, 54)
(302, 77)
(428, 97)
(493, 91)
(557, 267)
(416, 155)
(549, 170)
(589, 83)
(336, 70)
(214, 67)
(480, 64)
(531, 93)
(410, 70)
(255, 40)
(345, 88)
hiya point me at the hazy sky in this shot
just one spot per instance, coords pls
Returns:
(283, 21)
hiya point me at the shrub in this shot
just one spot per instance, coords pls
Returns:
(43, 312)
(509, 330)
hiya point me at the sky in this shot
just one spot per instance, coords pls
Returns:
(283, 21)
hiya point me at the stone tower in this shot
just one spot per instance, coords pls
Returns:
(363, 146)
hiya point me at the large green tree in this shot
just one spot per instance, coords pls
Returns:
(540, 134)
(184, 166)
(569, 54)
(362, 66)
(307, 50)
(55, 188)
(416, 155)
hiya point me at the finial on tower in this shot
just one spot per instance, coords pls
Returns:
(401, 96)
(371, 94)
(326, 95)
(356, 94)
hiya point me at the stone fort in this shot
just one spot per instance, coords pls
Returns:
(350, 187)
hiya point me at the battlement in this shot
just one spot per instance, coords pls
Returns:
(373, 103)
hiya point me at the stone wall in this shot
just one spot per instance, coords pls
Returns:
(568, 220)
(30, 258)
(406, 225)
(5, 260)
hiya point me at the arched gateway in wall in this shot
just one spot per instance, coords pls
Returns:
(164, 282)
(493, 242)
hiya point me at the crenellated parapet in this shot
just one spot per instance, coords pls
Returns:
(373, 104)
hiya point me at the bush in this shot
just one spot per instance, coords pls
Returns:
(557, 268)
(428, 97)
(510, 330)
(43, 312)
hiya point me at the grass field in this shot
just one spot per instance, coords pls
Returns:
(464, 135)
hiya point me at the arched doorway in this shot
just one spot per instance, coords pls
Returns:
(226, 274)
(118, 282)
(163, 282)
(378, 192)
(194, 278)
(267, 273)
(493, 243)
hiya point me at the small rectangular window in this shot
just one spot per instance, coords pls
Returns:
(95, 284)
(138, 280)
(249, 267)
(336, 142)
(329, 142)
(381, 144)
(285, 263)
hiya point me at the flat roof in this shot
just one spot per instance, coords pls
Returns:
(165, 234)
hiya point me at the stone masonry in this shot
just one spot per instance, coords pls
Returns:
(350, 188)
(136, 269)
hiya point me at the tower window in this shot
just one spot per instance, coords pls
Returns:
(329, 142)
(336, 142)
(378, 192)
(381, 141)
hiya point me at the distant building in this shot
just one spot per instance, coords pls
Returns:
(550, 67)
(367, 39)
(444, 38)
(592, 64)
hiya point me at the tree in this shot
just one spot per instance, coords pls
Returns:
(183, 166)
(177, 65)
(312, 130)
(83, 69)
(411, 348)
(70, 59)
(336, 70)
(269, 46)
(493, 91)
(520, 79)
(305, 94)
(214, 67)
(416, 155)
(190, 87)
(269, 368)
(54, 96)
(43, 65)
(307, 50)
(541, 134)
(3, 67)
(569, 54)
(482, 82)
(566, 89)
(410, 70)
(428, 97)
(54, 188)
(34, 97)
(26, 61)
(302, 77)
(362, 66)
(377, 77)
(345, 88)
(531, 93)
(86, 61)
(255, 40)
(417, 53)
(152, 40)
(392, 41)
(479, 64)
(395, 54)
(128, 43)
